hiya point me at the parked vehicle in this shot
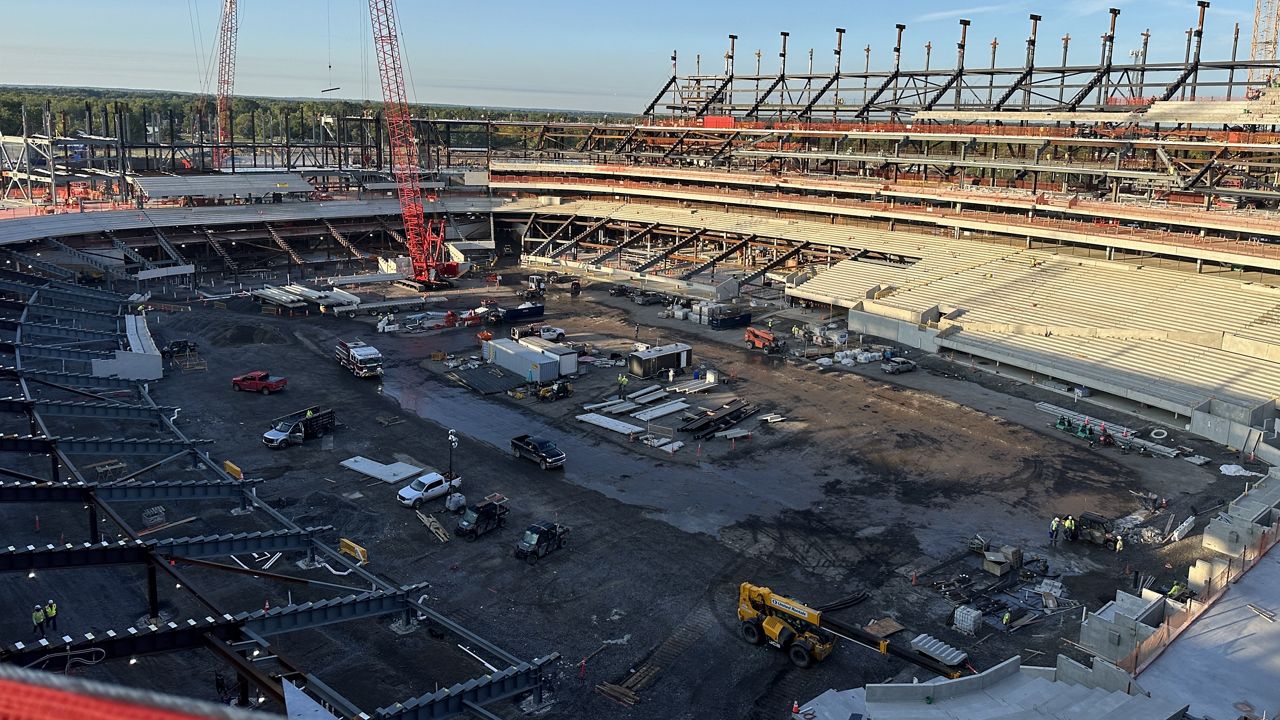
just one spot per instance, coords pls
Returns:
(297, 427)
(546, 332)
(540, 540)
(361, 359)
(648, 297)
(764, 340)
(620, 291)
(542, 451)
(483, 517)
(178, 347)
(259, 381)
(1096, 529)
(896, 366)
(523, 311)
(427, 487)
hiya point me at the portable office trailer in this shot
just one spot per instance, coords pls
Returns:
(563, 354)
(648, 363)
(529, 364)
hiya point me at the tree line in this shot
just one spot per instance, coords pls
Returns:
(166, 116)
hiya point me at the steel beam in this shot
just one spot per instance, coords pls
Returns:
(58, 312)
(71, 408)
(51, 557)
(66, 331)
(214, 545)
(693, 237)
(123, 446)
(458, 699)
(53, 352)
(327, 612)
(174, 490)
(78, 492)
(63, 285)
(60, 379)
(617, 249)
(573, 241)
(127, 642)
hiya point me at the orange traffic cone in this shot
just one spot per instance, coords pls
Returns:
(266, 605)
(795, 707)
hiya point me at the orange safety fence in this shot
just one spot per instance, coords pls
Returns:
(24, 701)
(1148, 650)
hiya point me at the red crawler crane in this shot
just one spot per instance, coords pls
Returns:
(227, 30)
(424, 238)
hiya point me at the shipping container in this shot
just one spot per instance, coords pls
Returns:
(563, 354)
(529, 364)
(648, 363)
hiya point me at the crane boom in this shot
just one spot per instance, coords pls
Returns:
(425, 240)
(227, 31)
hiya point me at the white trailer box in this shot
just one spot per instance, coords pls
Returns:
(529, 364)
(563, 354)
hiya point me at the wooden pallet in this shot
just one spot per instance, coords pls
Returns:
(695, 625)
(884, 627)
(434, 526)
(389, 420)
(618, 693)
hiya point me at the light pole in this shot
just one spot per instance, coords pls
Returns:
(453, 445)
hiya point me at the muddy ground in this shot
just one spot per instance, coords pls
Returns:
(866, 483)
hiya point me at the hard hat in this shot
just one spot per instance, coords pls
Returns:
(50, 602)
(37, 606)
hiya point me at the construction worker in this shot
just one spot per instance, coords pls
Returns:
(769, 324)
(37, 620)
(1069, 528)
(1008, 618)
(1053, 531)
(622, 385)
(51, 615)
(1119, 543)
(310, 412)
(1176, 590)
(637, 331)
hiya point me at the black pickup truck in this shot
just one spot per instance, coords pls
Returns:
(540, 539)
(486, 515)
(542, 451)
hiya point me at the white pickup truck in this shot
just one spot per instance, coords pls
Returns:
(546, 332)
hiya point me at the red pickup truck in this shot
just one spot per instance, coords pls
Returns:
(259, 381)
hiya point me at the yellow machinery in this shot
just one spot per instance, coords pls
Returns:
(806, 636)
(783, 623)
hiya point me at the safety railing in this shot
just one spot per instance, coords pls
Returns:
(1175, 622)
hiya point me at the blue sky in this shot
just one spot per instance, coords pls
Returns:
(574, 54)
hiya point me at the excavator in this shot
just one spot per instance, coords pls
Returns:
(807, 636)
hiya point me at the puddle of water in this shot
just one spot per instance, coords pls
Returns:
(702, 498)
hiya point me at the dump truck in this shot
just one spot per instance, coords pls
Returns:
(361, 359)
(523, 311)
(487, 515)
(259, 381)
(541, 539)
(807, 636)
(298, 427)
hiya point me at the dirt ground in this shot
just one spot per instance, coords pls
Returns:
(866, 483)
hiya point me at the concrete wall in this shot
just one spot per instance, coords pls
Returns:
(1113, 639)
(905, 333)
(130, 366)
(944, 689)
(1199, 575)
